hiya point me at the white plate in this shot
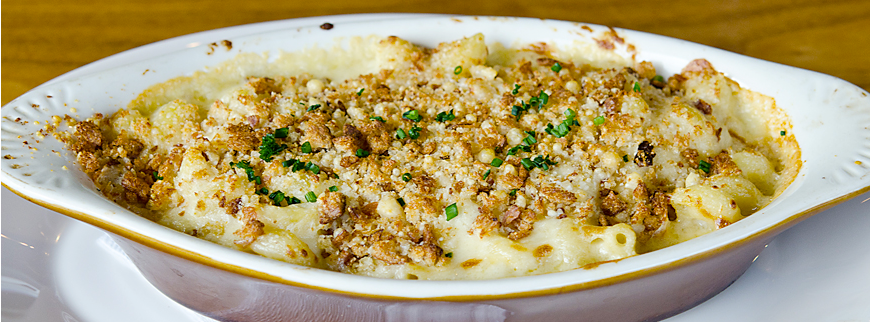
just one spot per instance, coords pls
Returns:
(53, 253)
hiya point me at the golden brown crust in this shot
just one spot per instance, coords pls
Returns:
(331, 205)
(252, 229)
(722, 164)
(242, 138)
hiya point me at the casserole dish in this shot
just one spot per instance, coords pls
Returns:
(236, 286)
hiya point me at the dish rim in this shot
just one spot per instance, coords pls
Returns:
(696, 251)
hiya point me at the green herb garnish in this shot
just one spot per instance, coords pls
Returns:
(449, 255)
(362, 153)
(401, 202)
(311, 197)
(282, 133)
(414, 132)
(333, 188)
(513, 192)
(262, 191)
(625, 158)
(406, 177)
(516, 89)
(156, 176)
(306, 147)
(412, 115)
(704, 166)
(598, 120)
(636, 87)
(299, 165)
(245, 165)
(556, 67)
(400, 134)
(486, 174)
(312, 167)
(269, 148)
(444, 117)
(514, 150)
(530, 138)
(658, 78)
(457, 70)
(360, 92)
(540, 162)
(377, 118)
(313, 107)
(527, 163)
(451, 211)
(293, 201)
(277, 197)
(781, 133)
(496, 162)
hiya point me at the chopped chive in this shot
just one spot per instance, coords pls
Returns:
(414, 132)
(262, 191)
(306, 147)
(530, 139)
(527, 163)
(406, 177)
(313, 107)
(245, 165)
(704, 166)
(444, 117)
(513, 192)
(636, 87)
(156, 176)
(569, 113)
(556, 67)
(288, 163)
(282, 132)
(312, 167)
(360, 92)
(781, 133)
(400, 134)
(516, 89)
(298, 165)
(598, 120)
(362, 153)
(658, 78)
(412, 115)
(310, 196)
(333, 188)
(401, 202)
(457, 70)
(377, 118)
(451, 211)
(496, 162)
(449, 255)
(269, 148)
(293, 201)
(277, 197)
(486, 174)
(517, 111)
(625, 158)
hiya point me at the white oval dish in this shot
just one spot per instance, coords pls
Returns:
(831, 119)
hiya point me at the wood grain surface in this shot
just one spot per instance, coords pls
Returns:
(46, 38)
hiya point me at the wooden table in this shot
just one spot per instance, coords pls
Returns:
(46, 38)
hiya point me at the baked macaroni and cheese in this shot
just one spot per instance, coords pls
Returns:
(465, 161)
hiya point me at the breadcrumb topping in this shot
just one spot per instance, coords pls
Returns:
(444, 160)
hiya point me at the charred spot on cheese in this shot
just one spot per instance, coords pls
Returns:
(644, 156)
